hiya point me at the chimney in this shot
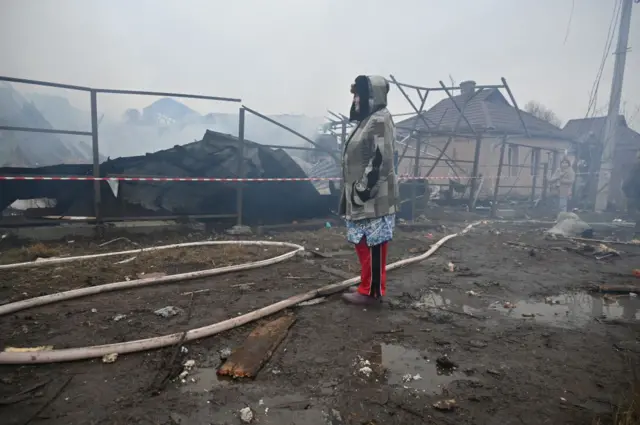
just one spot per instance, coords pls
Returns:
(467, 88)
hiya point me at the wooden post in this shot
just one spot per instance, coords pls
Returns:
(494, 205)
(414, 183)
(474, 173)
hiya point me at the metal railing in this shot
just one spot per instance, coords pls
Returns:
(93, 93)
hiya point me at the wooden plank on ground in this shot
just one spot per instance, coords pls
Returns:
(246, 361)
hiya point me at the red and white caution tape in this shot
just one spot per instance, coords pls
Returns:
(214, 179)
(192, 179)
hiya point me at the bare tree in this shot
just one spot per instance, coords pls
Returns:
(540, 111)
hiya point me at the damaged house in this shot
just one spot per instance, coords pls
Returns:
(590, 132)
(488, 121)
(215, 156)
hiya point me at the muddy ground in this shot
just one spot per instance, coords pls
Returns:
(529, 344)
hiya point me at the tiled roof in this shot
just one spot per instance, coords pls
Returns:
(486, 111)
(591, 129)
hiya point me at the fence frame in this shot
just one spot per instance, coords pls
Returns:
(93, 92)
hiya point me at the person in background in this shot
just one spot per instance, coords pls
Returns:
(562, 183)
(370, 188)
(631, 189)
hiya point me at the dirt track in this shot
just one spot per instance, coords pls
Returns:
(568, 364)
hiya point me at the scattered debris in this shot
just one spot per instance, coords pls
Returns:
(187, 368)
(128, 260)
(364, 366)
(168, 311)
(246, 361)
(365, 370)
(445, 405)
(333, 417)
(446, 363)
(472, 293)
(155, 275)
(239, 230)
(119, 317)
(116, 240)
(225, 353)
(493, 372)
(110, 358)
(246, 415)
(200, 291)
(94, 310)
(568, 225)
(408, 377)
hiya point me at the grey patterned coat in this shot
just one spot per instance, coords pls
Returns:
(370, 186)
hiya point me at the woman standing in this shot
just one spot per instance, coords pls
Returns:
(562, 183)
(370, 187)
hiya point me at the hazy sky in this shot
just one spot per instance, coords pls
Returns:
(300, 56)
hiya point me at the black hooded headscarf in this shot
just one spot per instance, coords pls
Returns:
(372, 92)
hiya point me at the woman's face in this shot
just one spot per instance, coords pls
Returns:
(564, 165)
(356, 102)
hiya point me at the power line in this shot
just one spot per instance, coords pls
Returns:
(566, 35)
(613, 24)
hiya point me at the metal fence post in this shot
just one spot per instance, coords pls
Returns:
(240, 172)
(474, 173)
(536, 165)
(416, 171)
(96, 156)
(494, 205)
(545, 180)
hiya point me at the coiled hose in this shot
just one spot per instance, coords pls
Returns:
(82, 353)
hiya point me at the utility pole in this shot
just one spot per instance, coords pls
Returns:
(611, 124)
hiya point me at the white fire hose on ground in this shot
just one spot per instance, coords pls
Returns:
(96, 351)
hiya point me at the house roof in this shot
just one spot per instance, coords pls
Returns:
(589, 130)
(486, 111)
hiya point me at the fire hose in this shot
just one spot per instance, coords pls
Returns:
(96, 351)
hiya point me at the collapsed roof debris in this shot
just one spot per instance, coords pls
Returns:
(214, 156)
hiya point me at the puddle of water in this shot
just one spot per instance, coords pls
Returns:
(203, 380)
(403, 365)
(452, 300)
(575, 309)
